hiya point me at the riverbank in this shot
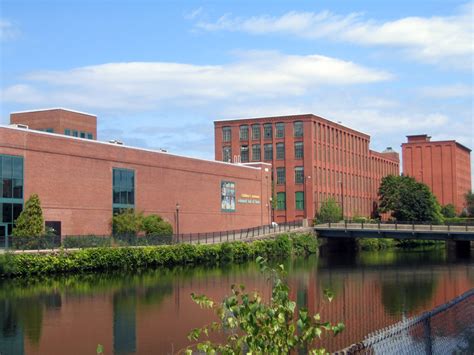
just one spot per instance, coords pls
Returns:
(133, 258)
(374, 244)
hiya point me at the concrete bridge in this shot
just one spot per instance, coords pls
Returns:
(394, 230)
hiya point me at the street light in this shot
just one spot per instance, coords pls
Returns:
(177, 218)
(342, 198)
(305, 178)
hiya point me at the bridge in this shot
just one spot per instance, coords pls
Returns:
(348, 229)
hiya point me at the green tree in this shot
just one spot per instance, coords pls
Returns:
(448, 211)
(128, 222)
(30, 222)
(470, 203)
(330, 211)
(155, 225)
(254, 327)
(408, 200)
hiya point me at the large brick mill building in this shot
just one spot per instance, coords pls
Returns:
(312, 160)
(445, 166)
(81, 181)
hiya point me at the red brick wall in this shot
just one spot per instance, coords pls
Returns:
(73, 178)
(57, 119)
(444, 166)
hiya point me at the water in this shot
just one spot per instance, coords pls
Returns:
(152, 312)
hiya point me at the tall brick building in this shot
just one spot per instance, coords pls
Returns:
(445, 166)
(310, 156)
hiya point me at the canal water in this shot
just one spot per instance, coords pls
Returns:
(152, 312)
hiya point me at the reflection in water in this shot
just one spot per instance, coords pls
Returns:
(152, 312)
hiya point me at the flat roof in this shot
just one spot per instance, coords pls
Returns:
(437, 142)
(244, 165)
(293, 116)
(53, 109)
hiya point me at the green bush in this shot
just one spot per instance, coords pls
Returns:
(448, 211)
(30, 222)
(110, 258)
(330, 211)
(155, 225)
(88, 241)
(128, 222)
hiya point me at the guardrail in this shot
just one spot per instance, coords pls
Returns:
(91, 241)
(402, 226)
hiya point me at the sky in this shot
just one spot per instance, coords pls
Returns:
(158, 73)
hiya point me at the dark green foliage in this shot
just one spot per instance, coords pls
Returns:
(330, 211)
(30, 222)
(110, 258)
(89, 241)
(254, 326)
(469, 203)
(448, 211)
(155, 225)
(408, 200)
(128, 222)
(375, 243)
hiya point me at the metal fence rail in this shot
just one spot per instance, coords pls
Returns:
(401, 226)
(446, 329)
(89, 241)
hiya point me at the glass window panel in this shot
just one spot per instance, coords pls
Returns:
(299, 175)
(268, 152)
(227, 154)
(299, 200)
(67, 132)
(17, 188)
(256, 131)
(267, 131)
(17, 166)
(280, 172)
(226, 134)
(256, 156)
(75, 133)
(298, 150)
(244, 154)
(280, 151)
(280, 130)
(7, 188)
(244, 133)
(281, 201)
(298, 129)
(7, 166)
(17, 208)
(7, 213)
(83, 135)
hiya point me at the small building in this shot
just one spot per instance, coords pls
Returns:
(81, 181)
(313, 159)
(445, 166)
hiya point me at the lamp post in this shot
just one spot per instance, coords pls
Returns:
(177, 218)
(342, 198)
(305, 178)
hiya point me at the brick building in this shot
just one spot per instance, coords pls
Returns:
(81, 181)
(445, 166)
(310, 156)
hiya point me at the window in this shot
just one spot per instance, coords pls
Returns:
(67, 132)
(281, 201)
(255, 131)
(280, 172)
(227, 154)
(280, 130)
(298, 150)
(299, 200)
(227, 196)
(256, 156)
(226, 134)
(11, 191)
(123, 189)
(267, 131)
(75, 133)
(244, 133)
(299, 175)
(49, 130)
(83, 135)
(280, 151)
(298, 129)
(89, 136)
(268, 151)
(244, 153)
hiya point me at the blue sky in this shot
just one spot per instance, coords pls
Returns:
(158, 73)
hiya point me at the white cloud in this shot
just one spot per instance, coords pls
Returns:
(447, 91)
(434, 39)
(7, 30)
(146, 85)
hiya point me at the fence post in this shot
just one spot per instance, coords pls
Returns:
(329, 224)
(345, 224)
(413, 225)
(378, 224)
(396, 226)
(449, 227)
(362, 224)
(466, 226)
(431, 226)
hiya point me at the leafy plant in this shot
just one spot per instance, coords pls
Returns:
(128, 222)
(469, 196)
(330, 211)
(155, 225)
(448, 211)
(256, 327)
(30, 222)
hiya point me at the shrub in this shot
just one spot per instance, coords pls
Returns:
(330, 211)
(304, 244)
(448, 211)
(155, 225)
(30, 222)
(126, 223)
(88, 241)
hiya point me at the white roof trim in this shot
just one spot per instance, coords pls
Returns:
(126, 146)
(55, 108)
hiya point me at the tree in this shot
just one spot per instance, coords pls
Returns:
(157, 226)
(408, 200)
(448, 211)
(128, 222)
(30, 222)
(330, 211)
(254, 327)
(470, 203)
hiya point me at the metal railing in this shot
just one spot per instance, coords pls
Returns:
(90, 241)
(399, 225)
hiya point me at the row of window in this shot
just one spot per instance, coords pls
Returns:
(267, 152)
(76, 133)
(334, 136)
(281, 200)
(255, 129)
(281, 175)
